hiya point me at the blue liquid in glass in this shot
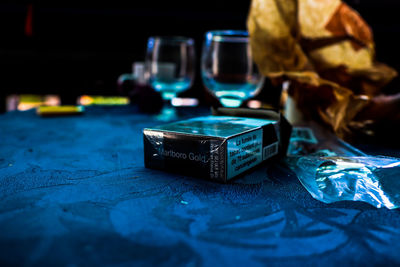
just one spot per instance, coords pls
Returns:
(232, 94)
(169, 88)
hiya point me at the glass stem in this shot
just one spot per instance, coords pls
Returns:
(168, 112)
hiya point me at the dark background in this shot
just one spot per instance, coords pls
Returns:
(82, 48)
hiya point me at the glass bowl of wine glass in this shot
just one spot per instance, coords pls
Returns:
(170, 68)
(227, 68)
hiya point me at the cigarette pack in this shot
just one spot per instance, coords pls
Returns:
(215, 147)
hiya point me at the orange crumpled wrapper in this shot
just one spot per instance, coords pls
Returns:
(326, 50)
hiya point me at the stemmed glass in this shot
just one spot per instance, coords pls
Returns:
(170, 68)
(227, 67)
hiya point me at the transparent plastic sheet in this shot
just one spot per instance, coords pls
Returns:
(332, 170)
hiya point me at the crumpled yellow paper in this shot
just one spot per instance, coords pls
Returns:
(326, 50)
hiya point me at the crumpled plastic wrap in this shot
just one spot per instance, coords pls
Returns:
(326, 50)
(333, 170)
(374, 180)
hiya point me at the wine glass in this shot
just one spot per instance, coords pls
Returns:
(170, 68)
(227, 67)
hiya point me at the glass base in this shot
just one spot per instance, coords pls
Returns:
(167, 113)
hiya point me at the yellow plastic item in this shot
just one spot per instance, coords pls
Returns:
(59, 110)
(87, 100)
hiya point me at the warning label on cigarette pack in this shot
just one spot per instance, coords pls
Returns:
(244, 152)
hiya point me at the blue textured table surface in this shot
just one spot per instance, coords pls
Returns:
(74, 191)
